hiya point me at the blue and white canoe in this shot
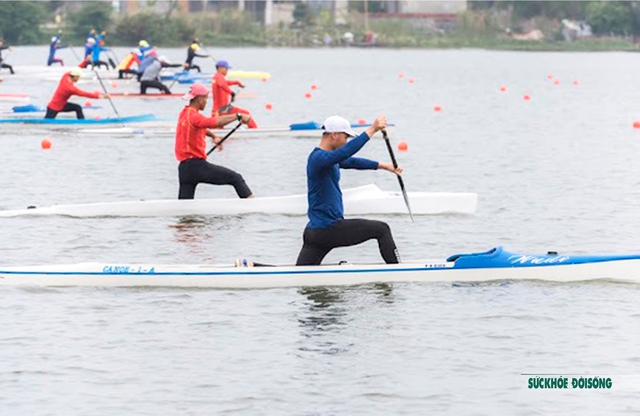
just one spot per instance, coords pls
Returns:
(75, 123)
(32, 110)
(189, 77)
(493, 265)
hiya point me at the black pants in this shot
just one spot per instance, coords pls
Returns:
(121, 72)
(67, 108)
(319, 242)
(9, 67)
(194, 171)
(153, 84)
(190, 67)
(98, 64)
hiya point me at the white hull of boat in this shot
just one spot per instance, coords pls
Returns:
(230, 277)
(363, 200)
(156, 128)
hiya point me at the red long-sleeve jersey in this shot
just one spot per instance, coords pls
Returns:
(190, 134)
(221, 91)
(65, 90)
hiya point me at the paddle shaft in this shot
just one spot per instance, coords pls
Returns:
(395, 166)
(225, 137)
(106, 92)
(73, 51)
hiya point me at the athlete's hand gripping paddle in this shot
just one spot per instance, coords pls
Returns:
(225, 137)
(395, 166)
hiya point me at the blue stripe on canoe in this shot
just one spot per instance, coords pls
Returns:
(115, 120)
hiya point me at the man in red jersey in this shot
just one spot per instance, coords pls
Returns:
(191, 147)
(59, 103)
(222, 91)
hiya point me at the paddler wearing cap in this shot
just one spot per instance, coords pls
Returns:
(53, 47)
(150, 77)
(66, 88)
(192, 52)
(222, 93)
(327, 228)
(190, 147)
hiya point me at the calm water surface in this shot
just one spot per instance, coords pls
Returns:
(558, 172)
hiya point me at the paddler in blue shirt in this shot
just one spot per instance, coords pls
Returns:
(327, 228)
(53, 47)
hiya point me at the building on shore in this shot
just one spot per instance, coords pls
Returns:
(275, 12)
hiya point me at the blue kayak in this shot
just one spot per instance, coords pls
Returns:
(31, 108)
(88, 121)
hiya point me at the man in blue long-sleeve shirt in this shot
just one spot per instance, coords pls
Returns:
(327, 228)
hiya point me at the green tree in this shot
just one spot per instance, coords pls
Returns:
(93, 15)
(303, 14)
(610, 17)
(20, 21)
(155, 28)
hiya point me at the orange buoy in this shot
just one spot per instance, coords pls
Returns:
(549, 77)
(114, 84)
(403, 146)
(87, 103)
(437, 108)
(314, 87)
(362, 121)
(307, 95)
(268, 106)
(503, 88)
(556, 82)
(264, 80)
(527, 97)
(636, 124)
(45, 143)
(575, 82)
(410, 79)
(401, 75)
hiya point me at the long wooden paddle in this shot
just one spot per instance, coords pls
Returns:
(395, 166)
(225, 138)
(106, 92)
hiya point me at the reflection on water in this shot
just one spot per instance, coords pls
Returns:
(330, 311)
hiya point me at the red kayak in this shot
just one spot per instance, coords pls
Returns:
(242, 94)
(138, 95)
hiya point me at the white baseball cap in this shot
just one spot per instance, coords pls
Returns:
(337, 124)
(76, 72)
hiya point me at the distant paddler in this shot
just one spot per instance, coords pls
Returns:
(190, 148)
(92, 50)
(125, 65)
(223, 95)
(54, 45)
(192, 50)
(143, 48)
(66, 88)
(327, 228)
(151, 76)
(2, 64)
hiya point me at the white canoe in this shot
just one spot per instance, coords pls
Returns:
(492, 265)
(167, 128)
(362, 200)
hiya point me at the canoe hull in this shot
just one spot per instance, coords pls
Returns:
(363, 200)
(504, 266)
